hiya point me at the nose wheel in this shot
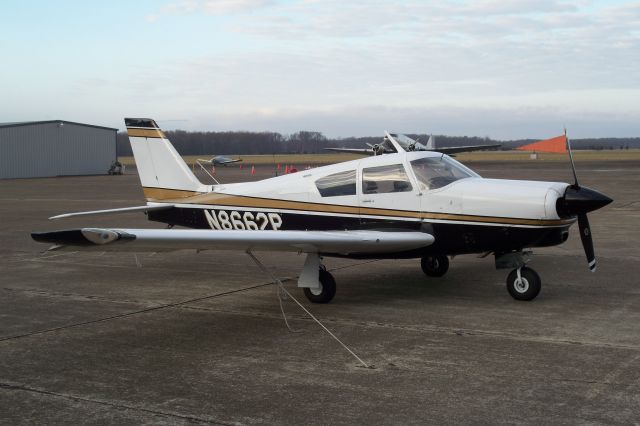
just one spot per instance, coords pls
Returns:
(524, 283)
(435, 266)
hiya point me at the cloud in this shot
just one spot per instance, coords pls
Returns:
(210, 7)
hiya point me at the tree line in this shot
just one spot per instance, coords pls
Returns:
(309, 142)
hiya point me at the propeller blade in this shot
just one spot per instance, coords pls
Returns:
(587, 242)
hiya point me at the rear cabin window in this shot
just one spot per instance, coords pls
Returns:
(343, 183)
(385, 179)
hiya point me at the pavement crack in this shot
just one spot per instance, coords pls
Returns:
(610, 378)
(128, 314)
(458, 331)
(112, 404)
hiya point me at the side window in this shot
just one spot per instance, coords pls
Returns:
(385, 179)
(343, 183)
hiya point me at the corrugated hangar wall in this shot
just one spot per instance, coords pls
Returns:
(55, 148)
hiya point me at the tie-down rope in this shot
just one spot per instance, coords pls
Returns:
(283, 289)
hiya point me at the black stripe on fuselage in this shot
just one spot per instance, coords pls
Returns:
(451, 238)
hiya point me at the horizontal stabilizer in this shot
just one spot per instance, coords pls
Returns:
(113, 211)
(143, 240)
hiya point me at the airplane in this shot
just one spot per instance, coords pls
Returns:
(409, 144)
(219, 160)
(409, 204)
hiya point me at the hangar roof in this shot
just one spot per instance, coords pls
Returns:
(29, 123)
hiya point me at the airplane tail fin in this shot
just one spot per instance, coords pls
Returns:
(431, 143)
(163, 173)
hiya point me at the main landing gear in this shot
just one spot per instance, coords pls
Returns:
(435, 266)
(327, 289)
(318, 283)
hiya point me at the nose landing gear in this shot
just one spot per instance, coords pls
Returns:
(523, 283)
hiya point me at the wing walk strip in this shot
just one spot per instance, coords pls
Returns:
(217, 199)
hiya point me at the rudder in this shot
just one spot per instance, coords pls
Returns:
(160, 167)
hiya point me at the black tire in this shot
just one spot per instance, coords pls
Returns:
(530, 286)
(327, 288)
(435, 266)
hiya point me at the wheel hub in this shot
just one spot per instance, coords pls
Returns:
(316, 291)
(521, 285)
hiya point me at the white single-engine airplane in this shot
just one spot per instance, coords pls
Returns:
(219, 160)
(409, 144)
(417, 204)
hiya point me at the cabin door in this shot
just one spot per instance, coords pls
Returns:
(387, 196)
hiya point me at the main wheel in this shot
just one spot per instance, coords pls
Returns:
(525, 288)
(327, 288)
(435, 266)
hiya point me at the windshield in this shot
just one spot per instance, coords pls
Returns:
(436, 172)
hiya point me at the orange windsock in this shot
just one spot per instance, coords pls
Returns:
(557, 144)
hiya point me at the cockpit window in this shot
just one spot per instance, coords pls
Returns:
(436, 172)
(343, 183)
(384, 179)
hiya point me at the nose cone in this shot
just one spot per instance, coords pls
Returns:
(580, 200)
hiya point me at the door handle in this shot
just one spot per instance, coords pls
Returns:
(367, 201)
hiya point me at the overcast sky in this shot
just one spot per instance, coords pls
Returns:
(499, 68)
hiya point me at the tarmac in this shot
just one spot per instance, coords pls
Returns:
(199, 338)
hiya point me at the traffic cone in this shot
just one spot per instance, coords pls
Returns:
(253, 170)
(286, 169)
(213, 170)
(278, 166)
(240, 166)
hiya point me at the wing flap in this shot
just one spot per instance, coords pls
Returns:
(141, 240)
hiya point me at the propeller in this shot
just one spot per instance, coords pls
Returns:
(377, 149)
(587, 241)
(579, 201)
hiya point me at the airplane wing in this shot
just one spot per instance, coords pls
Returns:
(113, 211)
(228, 161)
(153, 240)
(363, 151)
(456, 149)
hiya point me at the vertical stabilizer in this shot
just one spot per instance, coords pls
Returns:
(431, 144)
(159, 164)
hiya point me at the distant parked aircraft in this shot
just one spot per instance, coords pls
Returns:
(409, 145)
(220, 160)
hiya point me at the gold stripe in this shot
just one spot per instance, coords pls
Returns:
(146, 133)
(171, 195)
(162, 194)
